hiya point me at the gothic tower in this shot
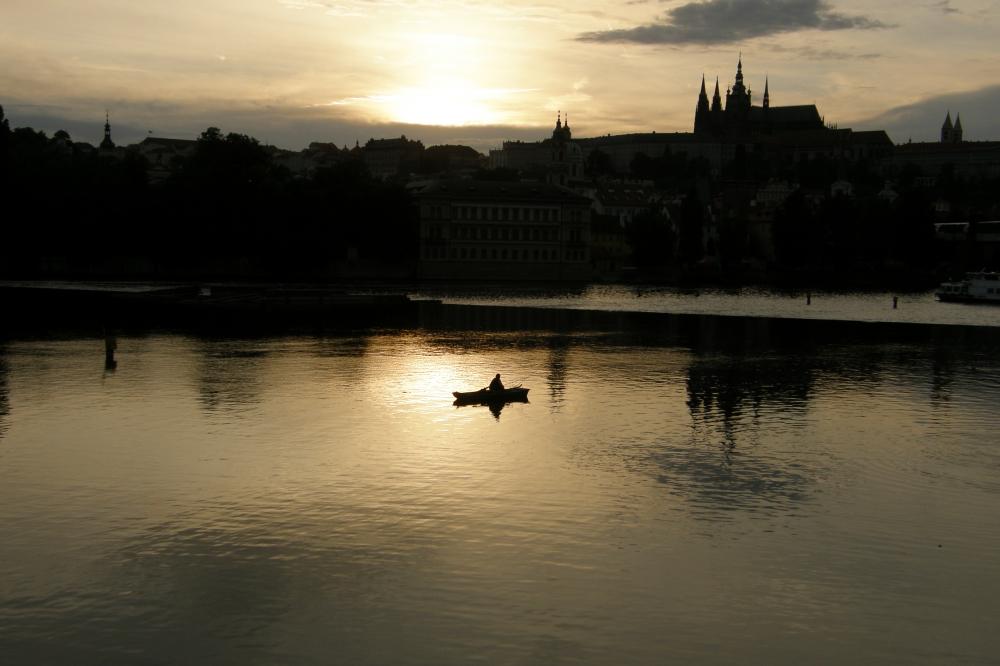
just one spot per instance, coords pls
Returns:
(718, 120)
(702, 114)
(738, 102)
(947, 129)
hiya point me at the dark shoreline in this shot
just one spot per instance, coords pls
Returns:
(248, 310)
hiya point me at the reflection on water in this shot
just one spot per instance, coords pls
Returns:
(4, 399)
(319, 499)
(495, 407)
(731, 400)
(556, 376)
(228, 374)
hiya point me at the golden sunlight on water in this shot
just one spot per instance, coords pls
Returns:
(703, 490)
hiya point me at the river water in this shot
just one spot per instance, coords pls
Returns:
(678, 489)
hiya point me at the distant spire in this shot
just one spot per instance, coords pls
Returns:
(703, 95)
(947, 130)
(716, 98)
(958, 122)
(107, 143)
(767, 93)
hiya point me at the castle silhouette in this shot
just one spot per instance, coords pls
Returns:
(739, 117)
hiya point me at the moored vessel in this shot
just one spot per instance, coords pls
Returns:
(979, 287)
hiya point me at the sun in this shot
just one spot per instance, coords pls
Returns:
(439, 103)
(446, 74)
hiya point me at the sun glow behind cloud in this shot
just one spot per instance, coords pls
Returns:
(446, 77)
(445, 103)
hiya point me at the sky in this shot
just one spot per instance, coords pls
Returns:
(478, 72)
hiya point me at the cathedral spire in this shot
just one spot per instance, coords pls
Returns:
(739, 90)
(702, 122)
(767, 94)
(947, 130)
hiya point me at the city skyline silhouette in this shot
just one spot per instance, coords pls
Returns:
(291, 71)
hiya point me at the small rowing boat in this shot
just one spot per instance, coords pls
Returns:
(486, 396)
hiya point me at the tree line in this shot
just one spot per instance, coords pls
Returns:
(227, 210)
(847, 221)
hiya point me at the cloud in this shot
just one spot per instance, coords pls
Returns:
(921, 121)
(728, 21)
(819, 52)
(945, 7)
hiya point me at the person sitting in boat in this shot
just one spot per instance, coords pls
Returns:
(496, 384)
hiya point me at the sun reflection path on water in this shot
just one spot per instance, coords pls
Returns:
(422, 373)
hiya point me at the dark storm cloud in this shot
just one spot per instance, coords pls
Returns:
(726, 21)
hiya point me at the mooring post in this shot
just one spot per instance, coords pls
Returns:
(110, 345)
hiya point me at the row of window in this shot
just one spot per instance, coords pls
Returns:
(501, 254)
(505, 213)
(504, 233)
(528, 234)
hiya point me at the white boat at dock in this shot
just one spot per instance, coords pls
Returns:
(980, 287)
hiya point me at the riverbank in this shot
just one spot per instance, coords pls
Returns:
(113, 304)
(367, 304)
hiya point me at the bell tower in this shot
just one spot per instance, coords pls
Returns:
(107, 143)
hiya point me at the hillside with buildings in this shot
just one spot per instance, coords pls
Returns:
(754, 193)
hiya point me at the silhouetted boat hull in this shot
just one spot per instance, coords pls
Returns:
(486, 397)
